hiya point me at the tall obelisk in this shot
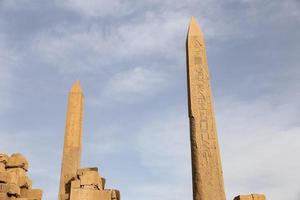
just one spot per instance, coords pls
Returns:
(72, 140)
(206, 163)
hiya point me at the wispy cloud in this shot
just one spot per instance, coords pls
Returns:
(134, 84)
(259, 148)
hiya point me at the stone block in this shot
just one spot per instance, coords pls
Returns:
(115, 195)
(83, 170)
(103, 181)
(2, 167)
(3, 187)
(3, 158)
(13, 189)
(34, 194)
(3, 196)
(24, 182)
(251, 197)
(86, 194)
(89, 178)
(107, 194)
(75, 184)
(5, 177)
(17, 160)
(16, 174)
(258, 197)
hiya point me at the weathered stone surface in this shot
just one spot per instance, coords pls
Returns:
(17, 160)
(13, 189)
(81, 171)
(3, 195)
(115, 195)
(75, 184)
(5, 177)
(16, 174)
(86, 194)
(3, 158)
(73, 137)
(3, 187)
(208, 181)
(35, 194)
(2, 167)
(24, 182)
(251, 197)
(103, 181)
(89, 178)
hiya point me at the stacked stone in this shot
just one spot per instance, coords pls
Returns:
(89, 185)
(14, 182)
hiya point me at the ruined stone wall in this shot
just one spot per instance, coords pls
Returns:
(14, 182)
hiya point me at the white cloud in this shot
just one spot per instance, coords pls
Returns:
(93, 8)
(259, 148)
(85, 48)
(134, 84)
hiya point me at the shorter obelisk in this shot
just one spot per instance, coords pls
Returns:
(206, 163)
(72, 140)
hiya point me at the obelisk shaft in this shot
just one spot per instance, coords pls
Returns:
(72, 140)
(206, 163)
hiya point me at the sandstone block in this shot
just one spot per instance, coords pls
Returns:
(35, 194)
(3, 187)
(115, 195)
(3, 195)
(251, 197)
(89, 178)
(2, 167)
(103, 181)
(258, 197)
(13, 189)
(86, 194)
(24, 182)
(16, 174)
(81, 171)
(17, 160)
(5, 177)
(75, 184)
(3, 158)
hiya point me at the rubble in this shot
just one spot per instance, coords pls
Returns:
(14, 181)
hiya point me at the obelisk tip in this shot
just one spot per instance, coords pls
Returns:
(194, 27)
(76, 88)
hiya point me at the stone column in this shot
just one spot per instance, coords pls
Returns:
(206, 163)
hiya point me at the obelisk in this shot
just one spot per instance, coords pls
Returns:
(72, 140)
(206, 163)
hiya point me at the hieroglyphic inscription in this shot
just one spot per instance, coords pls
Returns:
(202, 97)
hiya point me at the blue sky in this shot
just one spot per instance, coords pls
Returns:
(130, 59)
